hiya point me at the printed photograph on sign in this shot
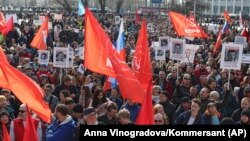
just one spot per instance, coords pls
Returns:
(159, 54)
(117, 19)
(164, 42)
(240, 40)
(231, 56)
(177, 49)
(43, 57)
(61, 57)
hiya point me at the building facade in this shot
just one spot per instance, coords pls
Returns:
(217, 7)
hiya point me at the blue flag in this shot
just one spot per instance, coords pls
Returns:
(81, 9)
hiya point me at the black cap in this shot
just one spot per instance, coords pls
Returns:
(185, 99)
(90, 110)
(246, 113)
(78, 108)
(247, 89)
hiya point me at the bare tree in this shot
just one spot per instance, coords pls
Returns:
(102, 5)
(119, 5)
(65, 5)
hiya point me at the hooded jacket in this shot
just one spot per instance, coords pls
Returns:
(64, 131)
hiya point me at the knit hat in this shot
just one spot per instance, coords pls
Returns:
(246, 113)
(78, 108)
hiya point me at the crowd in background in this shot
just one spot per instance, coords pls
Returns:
(198, 94)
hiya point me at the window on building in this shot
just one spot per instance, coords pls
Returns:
(246, 10)
(237, 9)
(216, 8)
(230, 9)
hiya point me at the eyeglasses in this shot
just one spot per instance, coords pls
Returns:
(158, 120)
(22, 111)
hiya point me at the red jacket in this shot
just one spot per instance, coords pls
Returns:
(19, 128)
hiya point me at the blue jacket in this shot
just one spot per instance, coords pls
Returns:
(64, 131)
(133, 109)
(183, 118)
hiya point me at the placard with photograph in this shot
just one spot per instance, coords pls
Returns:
(117, 19)
(189, 53)
(231, 56)
(61, 57)
(43, 57)
(163, 41)
(177, 49)
(160, 54)
(240, 40)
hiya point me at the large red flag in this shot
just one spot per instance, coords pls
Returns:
(39, 41)
(186, 27)
(30, 133)
(141, 62)
(218, 42)
(9, 26)
(227, 17)
(95, 55)
(6, 136)
(245, 33)
(145, 116)
(128, 83)
(25, 89)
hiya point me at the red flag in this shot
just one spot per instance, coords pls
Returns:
(6, 136)
(128, 83)
(185, 27)
(39, 41)
(2, 21)
(145, 116)
(95, 55)
(107, 85)
(137, 17)
(218, 42)
(9, 26)
(227, 17)
(25, 89)
(30, 133)
(141, 62)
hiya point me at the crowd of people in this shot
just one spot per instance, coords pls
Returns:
(198, 94)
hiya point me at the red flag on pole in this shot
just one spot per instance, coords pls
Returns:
(145, 116)
(39, 41)
(9, 26)
(185, 27)
(95, 55)
(30, 133)
(128, 83)
(141, 64)
(244, 33)
(6, 136)
(25, 89)
(218, 42)
(227, 17)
